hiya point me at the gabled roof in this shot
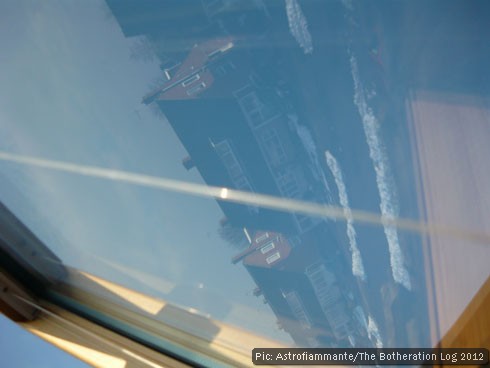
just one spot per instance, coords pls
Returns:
(192, 76)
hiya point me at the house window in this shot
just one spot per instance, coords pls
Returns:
(262, 238)
(242, 183)
(273, 146)
(329, 297)
(298, 309)
(305, 222)
(235, 171)
(287, 183)
(225, 153)
(232, 165)
(243, 91)
(256, 111)
(250, 102)
(225, 68)
(273, 258)
(195, 90)
(222, 147)
(267, 248)
(191, 80)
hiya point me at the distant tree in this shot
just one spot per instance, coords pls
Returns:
(156, 111)
(106, 11)
(232, 235)
(157, 82)
(142, 49)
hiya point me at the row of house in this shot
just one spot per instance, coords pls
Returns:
(229, 111)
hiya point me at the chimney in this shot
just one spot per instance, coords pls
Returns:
(188, 163)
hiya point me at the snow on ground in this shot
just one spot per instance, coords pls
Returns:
(298, 26)
(357, 264)
(373, 333)
(387, 193)
(310, 147)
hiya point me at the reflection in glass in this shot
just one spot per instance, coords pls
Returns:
(188, 149)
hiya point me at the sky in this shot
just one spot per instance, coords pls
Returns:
(19, 348)
(83, 107)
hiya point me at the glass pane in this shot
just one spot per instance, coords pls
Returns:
(163, 145)
(15, 342)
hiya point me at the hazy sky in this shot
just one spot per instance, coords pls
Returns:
(69, 91)
(15, 342)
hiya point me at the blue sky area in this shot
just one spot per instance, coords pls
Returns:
(70, 91)
(22, 349)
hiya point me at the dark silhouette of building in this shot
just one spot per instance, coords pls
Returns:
(238, 131)
(227, 105)
(298, 281)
